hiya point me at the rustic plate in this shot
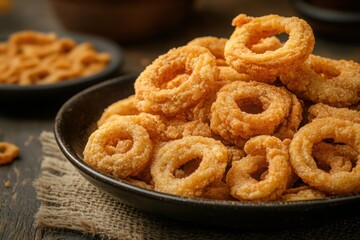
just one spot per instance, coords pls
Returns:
(30, 96)
(76, 120)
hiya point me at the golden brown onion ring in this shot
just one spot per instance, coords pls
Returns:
(230, 120)
(265, 154)
(124, 106)
(291, 124)
(270, 64)
(324, 80)
(217, 46)
(304, 164)
(321, 110)
(302, 193)
(120, 147)
(174, 154)
(214, 44)
(194, 61)
(334, 157)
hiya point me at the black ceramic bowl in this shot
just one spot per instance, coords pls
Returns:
(29, 96)
(76, 120)
(338, 20)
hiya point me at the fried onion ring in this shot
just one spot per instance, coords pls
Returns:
(266, 44)
(155, 125)
(304, 164)
(217, 46)
(230, 120)
(235, 154)
(217, 190)
(211, 168)
(214, 44)
(197, 62)
(120, 147)
(202, 111)
(302, 193)
(245, 177)
(291, 124)
(178, 129)
(334, 157)
(321, 110)
(229, 74)
(124, 106)
(8, 152)
(324, 80)
(270, 64)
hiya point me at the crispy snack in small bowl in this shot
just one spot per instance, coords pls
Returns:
(40, 67)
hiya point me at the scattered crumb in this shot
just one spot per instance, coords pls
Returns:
(29, 140)
(7, 184)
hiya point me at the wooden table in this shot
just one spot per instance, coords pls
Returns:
(18, 203)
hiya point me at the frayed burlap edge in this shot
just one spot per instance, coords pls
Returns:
(68, 201)
(63, 202)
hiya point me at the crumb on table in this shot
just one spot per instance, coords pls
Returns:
(7, 183)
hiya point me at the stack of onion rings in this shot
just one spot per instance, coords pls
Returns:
(210, 119)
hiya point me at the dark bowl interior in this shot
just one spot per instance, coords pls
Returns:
(40, 96)
(76, 120)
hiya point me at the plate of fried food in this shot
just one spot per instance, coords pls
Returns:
(245, 132)
(41, 67)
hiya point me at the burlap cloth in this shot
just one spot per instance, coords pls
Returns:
(68, 201)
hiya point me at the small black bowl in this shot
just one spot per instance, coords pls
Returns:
(76, 120)
(20, 98)
(338, 20)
